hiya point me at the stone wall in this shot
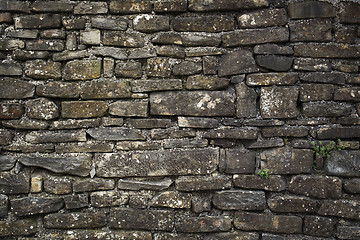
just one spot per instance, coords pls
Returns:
(180, 119)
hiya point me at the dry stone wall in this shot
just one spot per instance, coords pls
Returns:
(179, 119)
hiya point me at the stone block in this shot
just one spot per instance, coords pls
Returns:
(194, 103)
(127, 218)
(150, 123)
(76, 201)
(18, 228)
(84, 147)
(14, 6)
(272, 48)
(171, 51)
(129, 108)
(171, 199)
(268, 223)
(71, 163)
(203, 224)
(29, 206)
(90, 37)
(274, 62)
(170, 133)
(158, 67)
(45, 45)
(3, 206)
(323, 50)
(137, 145)
(91, 8)
(347, 94)
(323, 77)
(187, 68)
(203, 183)
(128, 70)
(6, 18)
(95, 184)
(14, 183)
(11, 110)
(290, 204)
(52, 136)
(115, 133)
(347, 232)
(30, 148)
(82, 69)
(349, 12)
(26, 123)
(104, 89)
(185, 143)
(279, 102)
(141, 53)
(36, 184)
(255, 36)
(246, 101)
(75, 220)
(13, 44)
(196, 122)
(201, 202)
(130, 7)
(55, 6)
(232, 133)
(7, 162)
(338, 132)
(53, 34)
(343, 163)
(319, 226)
(203, 24)
(274, 183)
(315, 92)
(326, 109)
(263, 18)
(10, 69)
(101, 199)
(311, 64)
(236, 62)
(83, 109)
(151, 23)
(122, 39)
(113, 52)
(42, 108)
(6, 137)
(150, 85)
(266, 79)
(57, 185)
(219, 5)
(210, 64)
(157, 163)
(235, 235)
(74, 124)
(349, 209)
(40, 21)
(239, 200)
(59, 90)
(109, 23)
(311, 9)
(16, 89)
(238, 161)
(136, 185)
(311, 30)
(74, 23)
(352, 185)
(163, 6)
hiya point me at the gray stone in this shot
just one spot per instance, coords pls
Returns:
(136, 185)
(137, 145)
(287, 204)
(26, 123)
(201, 202)
(39, 69)
(83, 109)
(52, 136)
(311, 9)
(55, 6)
(84, 147)
(310, 64)
(30, 148)
(91, 8)
(338, 132)
(71, 163)
(19, 33)
(326, 109)
(14, 6)
(347, 232)
(348, 13)
(352, 185)
(129, 108)
(341, 208)
(219, 5)
(115, 133)
(202, 183)
(187, 68)
(11, 110)
(171, 199)
(194, 103)
(90, 37)
(151, 23)
(109, 23)
(104, 89)
(57, 185)
(7, 162)
(170, 6)
(265, 79)
(322, 50)
(274, 183)
(210, 64)
(53, 33)
(14, 183)
(277, 142)
(274, 62)
(319, 226)
(29, 206)
(232, 133)
(82, 69)
(113, 52)
(108, 121)
(239, 200)
(59, 90)
(150, 85)
(203, 24)
(343, 163)
(245, 101)
(70, 55)
(203, 224)
(157, 163)
(140, 53)
(323, 77)
(95, 184)
(6, 137)
(6, 18)
(18, 228)
(315, 92)
(238, 161)
(271, 48)
(101, 199)
(263, 18)
(158, 67)
(38, 21)
(185, 143)
(76, 201)
(171, 133)
(128, 70)
(122, 39)
(42, 108)
(3, 206)
(171, 51)
(311, 30)
(28, 55)
(75, 220)
(150, 123)
(196, 122)
(237, 62)
(45, 45)
(206, 82)
(10, 69)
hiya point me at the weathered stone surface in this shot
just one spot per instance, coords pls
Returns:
(274, 183)
(108, 199)
(171, 51)
(53, 33)
(263, 18)
(170, 6)
(129, 108)
(157, 163)
(55, 6)
(343, 163)
(14, 6)
(262, 123)
(75, 220)
(175, 236)
(115, 133)
(322, 50)
(108, 121)
(338, 132)
(103, 89)
(150, 123)
(311, 9)
(203, 224)
(238, 161)
(119, 38)
(91, 8)
(3, 206)
(239, 200)
(311, 64)
(84, 147)
(245, 101)
(201, 202)
(71, 163)
(45, 45)
(57, 185)
(232, 133)
(130, 7)
(274, 62)
(76, 201)
(158, 67)
(10, 69)
(102, 234)
(194, 103)
(14, 183)
(113, 52)
(170, 133)
(126, 218)
(319, 226)
(347, 94)
(267, 236)
(206, 82)
(137, 145)
(28, 55)
(26, 123)
(74, 124)
(185, 143)
(141, 53)
(196, 122)
(203, 183)
(6, 17)
(310, 30)
(316, 186)
(347, 232)
(188, 39)
(128, 70)
(74, 23)
(323, 77)
(272, 48)
(95, 184)
(172, 199)
(109, 23)
(187, 68)
(352, 185)
(83, 109)
(30, 148)
(28, 206)
(288, 161)
(326, 109)
(349, 13)
(157, 185)
(38, 21)
(12, 44)
(255, 36)
(267, 222)
(51, 136)
(18, 228)
(42, 108)
(155, 85)
(11, 110)
(6, 137)
(237, 62)
(7, 162)
(210, 64)
(341, 208)
(90, 37)
(279, 102)
(151, 23)
(316, 92)
(82, 69)
(220, 5)
(203, 24)
(70, 55)
(59, 90)
(265, 79)
(288, 204)
(39, 69)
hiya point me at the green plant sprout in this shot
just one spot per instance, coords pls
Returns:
(263, 173)
(325, 150)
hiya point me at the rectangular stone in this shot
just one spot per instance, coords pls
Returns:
(38, 21)
(127, 218)
(315, 92)
(129, 108)
(341, 208)
(11, 69)
(196, 122)
(151, 23)
(203, 224)
(59, 90)
(116, 133)
(18, 228)
(349, 13)
(157, 163)
(150, 85)
(311, 30)
(311, 9)
(83, 109)
(274, 183)
(202, 183)
(14, 183)
(13, 44)
(52, 136)
(53, 6)
(229, 5)
(137, 145)
(150, 123)
(255, 36)
(157, 185)
(239, 200)
(263, 18)
(40, 69)
(114, 52)
(109, 23)
(75, 220)
(311, 64)
(91, 8)
(121, 39)
(194, 103)
(163, 6)
(323, 50)
(82, 69)
(343, 163)
(14, 6)
(203, 24)
(15, 89)
(74, 124)
(232, 133)
(324, 77)
(338, 132)
(84, 147)
(172, 133)
(285, 131)
(130, 6)
(45, 45)
(76, 201)
(289, 204)
(94, 184)
(103, 89)
(265, 79)
(28, 206)
(326, 109)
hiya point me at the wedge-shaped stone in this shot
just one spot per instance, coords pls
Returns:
(194, 103)
(220, 5)
(268, 223)
(288, 161)
(343, 163)
(119, 38)
(18, 228)
(136, 185)
(255, 36)
(75, 220)
(109, 23)
(203, 224)
(275, 183)
(311, 9)
(203, 183)
(206, 82)
(232, 133)
(203, 24)
(29, 206)
(341, 208)
(59, 90)
(129, 108)
(239, 200)
(103, 89)
(263, 18)
(237, 62)
(114, 133)
(130, 6)
(323, 50)
(72, 163)
(265, 79)
(82, 70)
(83, 109)
(127, 218)
(172, 199)
(38, 21)
(14, 183)
(157, 163)
(52, 136)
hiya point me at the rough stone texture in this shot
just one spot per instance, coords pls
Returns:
(348, 14)
(38, 21)
(150, 23)
(274, 62)
(57, 185)
(55, 137)
(93, 185)
(91, 8)
(338, 132)
(109, 23)
(157, 163)
(11, 110)
(239, 200)
(103, 89)
(200, 183)
(203, 24)
(141, 185)
(84, 109)
(115, 133)
(236, 62)
(322, 50)
(42, 108)
(265, 79)
(352, 186)
(343, 163)
(18, 228)
(82, 70)
(326, 109)
(172, 199)
(341, 208)
(14, 184)
(155, 85)
(238, 161)
(292, 204)
(274, 183)
(108, 199)
(129, 108)
(263, 18)
(219, 5)
(319, 226)
(246, 101)
(39, 69)
(16, 89)
(187, 68)
(119, 38)
(203, 224)
(59, 90)
(28, 206)
(310, 30)
(75, 220)
(315, 92)
(311, 9)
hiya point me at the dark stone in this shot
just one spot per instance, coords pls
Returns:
(274, 183)
(274, 62)
(338, 132)
(21, 55)
(150, 123)
(14, 6)
(263, 18)
(18, 228)
(255, 36)
(277, 142)
(323, 77)
(84, 147)
(10, 69)
(238, 161)
(316, 92)
(347, 232)
(3, 206)
(220, 5)
(135, 185)
(265, 79)
(11, 110)
(343, 163)
(311, 9)
(70, 55)
(235, 235)
(288, 161)
(57, 185)
(150, 85)
(341, 208)
(292, 131)
(313, 65)
(87, 8)
(322, 50)
(194, 103)
(28, 206)
(51, 136)
(59, 90)
(187, 68)
(75, 220)
(95, 184)
(326, 109)
(114, 133)
(319, 226)
(14, 183)
(5, 137)
(76, 201)
(101, 199)
(246, 101)
(74, 23)
(349, 12)
(19, 33)
(267, 223)
(271, 48)
(157, 163)
(128, 70)
(83, 109)
(172, 199)
(237, 62)
(232, 133)
(109, 23)
(171, 51)
(291, 204)
(347, 94)
(239, 200)
(130, 7)
(210, 64)
(203, 224)
(203, 24)
(122, 39)
(151, 23)
(201, 202)
(82, 69)
(71, 163)
(38, 21)
(56, 6)
(311, 30)
(26, 123)
(352, 185)
(170, 6)
(202, 183)
(30, 148)
(137, 145)
(127, 218)
(196, 122)
(7, 162)
(45, 45)
(103, 89)
(129, 108)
